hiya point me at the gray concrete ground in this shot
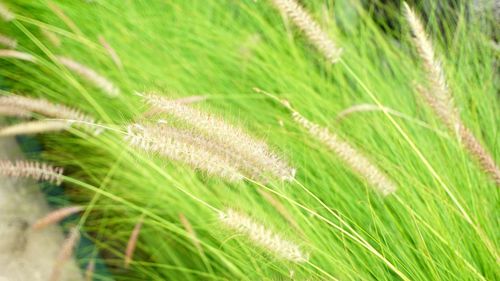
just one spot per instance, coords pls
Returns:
(26, 255)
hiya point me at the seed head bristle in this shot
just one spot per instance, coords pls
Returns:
(263, 237)
(34, 127)
(132, 241)
(5, 13)
(230, 138)
(433, 66)
(112, 53)
(178, 146)
(192, 234)
(49, 109)
(65, 254)
(350, 155)
(8, 42)
(53, 38)
(469, 141)
(5, 53)
(90, 75)
(318, 37)
(14, 112)
(440, 99)
(30, 169)
(56, 216)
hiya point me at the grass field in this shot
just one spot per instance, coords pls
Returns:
(242, 57)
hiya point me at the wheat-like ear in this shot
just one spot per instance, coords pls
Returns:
(49, 109)
(467, 138)
(56, 216)
(112, 53)
(192, 234)
(262, 236)
(132, 241)
(51, 36)
(432, 65)
(17, 55)
(230, 138)
(178, 147)
(14, 112)
(90, 75)
(30, 169)
(8, 42)
(440, 99)
(310, 27)
(34, 127)
(65, 253)
(5, 13)
(350, 155)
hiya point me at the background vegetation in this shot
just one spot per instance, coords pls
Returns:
(223, 50)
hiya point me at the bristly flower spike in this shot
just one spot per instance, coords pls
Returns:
(262, 236)
(303, 20)
(30, 169)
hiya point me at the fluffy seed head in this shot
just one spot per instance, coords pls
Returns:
(49, 109)
(310, 28)
(56, 41)
(56, 216)
(440, 99)
(228, 137)
(347, 153)
(90, 75)
(34, 127)
(469, 141)
(30, 169)
(8, 42)
(433, 67)
(263, 237)
(14, 112)
(132, 241)
(180, 146)
(112, 53)
(5, 13)
(17, 55)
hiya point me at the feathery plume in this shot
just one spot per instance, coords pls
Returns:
(30, 169)
(90, 75)
(56, 216)
(178, 146)
(8, 42)
(17, 55)
(65, 254)
(434, 70)
(112, 53)
(14, 112)
(34, 127)
(354, 159)
(53, 38)
(60, 13)
(361, 108)
(184, 100)
(5, 13)
(440, 99)
(192, 234)
(262, 237)
(469, 141)
(228, 137)
(46, 108)
(132, 241)
(318, 37)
